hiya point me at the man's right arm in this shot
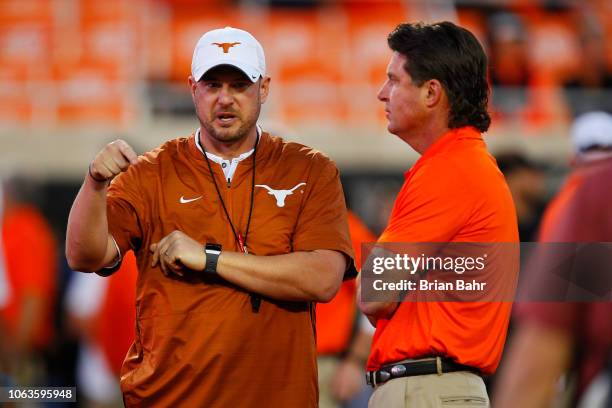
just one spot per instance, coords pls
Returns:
(89, 246)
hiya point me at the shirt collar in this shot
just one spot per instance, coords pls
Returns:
(448, 142)
(218, 159)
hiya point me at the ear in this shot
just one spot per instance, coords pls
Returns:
(264, 88)
(434, 93)
(193, 84)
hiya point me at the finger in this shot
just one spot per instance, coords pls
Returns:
(173, 259)
(98, 169)
(121, 162)
(168, 265)
(112, 167)
(162, 264)
(162, 246)
(154, 256)
(165, 255)
(127, 151)
(177, 269)
(159, 252)
(159, 249)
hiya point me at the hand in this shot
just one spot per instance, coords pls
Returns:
(347, 381)
(116, 157)
(177, 252)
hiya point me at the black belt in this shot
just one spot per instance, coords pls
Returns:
(438, 365)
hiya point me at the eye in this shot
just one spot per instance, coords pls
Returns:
(212, 85)
(241, 85)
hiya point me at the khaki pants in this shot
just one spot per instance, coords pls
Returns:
(458, 389)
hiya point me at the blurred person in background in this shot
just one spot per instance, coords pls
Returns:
(344, 337)
(436, 93)
(590, 89)
(100, 312)
(508, 51)
(510, 72)
(526, 182)
(5, 297)
(554, 338)
(30, 272)
(232, 260)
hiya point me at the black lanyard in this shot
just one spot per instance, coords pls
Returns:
(241, 244)
(255, 300)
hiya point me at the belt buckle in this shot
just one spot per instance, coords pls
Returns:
(368, 377)
(371, 378)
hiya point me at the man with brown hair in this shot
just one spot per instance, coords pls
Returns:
(237, 234)
(429, 353)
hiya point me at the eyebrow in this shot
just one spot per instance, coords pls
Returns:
(215, 78)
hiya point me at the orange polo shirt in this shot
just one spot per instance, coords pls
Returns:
(336, 319)
(453, 193)
(31, 266)
(198, 341)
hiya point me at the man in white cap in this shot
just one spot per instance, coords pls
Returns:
(237, 234)
(555, 337)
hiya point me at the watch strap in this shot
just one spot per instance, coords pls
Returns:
(212, 257)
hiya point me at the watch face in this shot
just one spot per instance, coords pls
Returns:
(215, 248)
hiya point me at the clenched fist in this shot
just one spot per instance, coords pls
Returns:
(116, 157)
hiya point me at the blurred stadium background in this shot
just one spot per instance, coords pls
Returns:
(76, 74)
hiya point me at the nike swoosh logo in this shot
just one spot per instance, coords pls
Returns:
(184, 200)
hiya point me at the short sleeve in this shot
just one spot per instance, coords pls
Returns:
(323, 222)
(125, 208)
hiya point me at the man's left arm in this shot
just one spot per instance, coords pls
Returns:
(297, 276)
(322, 251)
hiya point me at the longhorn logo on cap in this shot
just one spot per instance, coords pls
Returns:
(225, 46)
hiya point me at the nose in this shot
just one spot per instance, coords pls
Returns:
(382, 93)
(225, 96)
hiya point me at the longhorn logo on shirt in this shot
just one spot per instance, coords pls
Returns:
(280, 195)
(226, 46)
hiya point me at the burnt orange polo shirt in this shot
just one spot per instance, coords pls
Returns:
(198, 342)
(453, 193)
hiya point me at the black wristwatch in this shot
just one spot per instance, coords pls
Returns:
(212, 256)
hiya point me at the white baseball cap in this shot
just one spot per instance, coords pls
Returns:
(228, 46)
(592, 129)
